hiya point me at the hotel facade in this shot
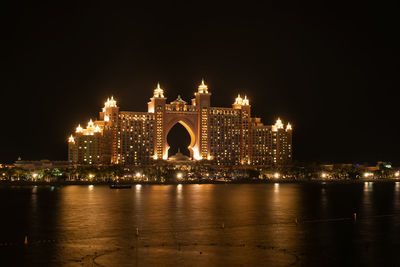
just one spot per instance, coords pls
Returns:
(219, 136)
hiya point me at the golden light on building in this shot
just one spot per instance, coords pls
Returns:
(238, 100)
(71, 139)
(97, 129)
(245, 101)
(110, 103)
(79, 129)
(224, 136)
(278, 125)
(158, 92)
(203, 88)
(90, 124)
(196, 154)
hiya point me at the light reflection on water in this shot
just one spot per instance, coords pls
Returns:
(263, 224)
(368, 186)
(276, 187)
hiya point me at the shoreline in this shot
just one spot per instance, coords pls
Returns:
(272, 181)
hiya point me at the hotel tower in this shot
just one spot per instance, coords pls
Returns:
(219, 136)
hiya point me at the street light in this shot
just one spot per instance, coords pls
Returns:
(179, 175)
(276, 175)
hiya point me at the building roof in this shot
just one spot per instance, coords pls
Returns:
(179, 100)
(179, 157)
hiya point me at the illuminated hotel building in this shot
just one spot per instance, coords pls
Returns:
(219, 136)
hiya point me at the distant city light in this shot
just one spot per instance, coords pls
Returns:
(397, 174)
(179, 175)
(138, 174)
(323, 175)
(368, 174)
(276, 175)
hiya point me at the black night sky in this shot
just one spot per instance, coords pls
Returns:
(330, 69)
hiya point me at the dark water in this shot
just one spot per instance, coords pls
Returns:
(201, 225)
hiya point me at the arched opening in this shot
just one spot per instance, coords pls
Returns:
(179, 137)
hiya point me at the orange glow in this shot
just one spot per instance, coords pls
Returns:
(245, 101)
(158, 92)
(79, 129)
(203, 88)
(71, 139)
(238, 100)
(90, 124)
(278, 125)
(110, 103)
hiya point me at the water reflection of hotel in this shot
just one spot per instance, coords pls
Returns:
(219, 136)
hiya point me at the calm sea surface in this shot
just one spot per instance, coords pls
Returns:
(201, 225)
